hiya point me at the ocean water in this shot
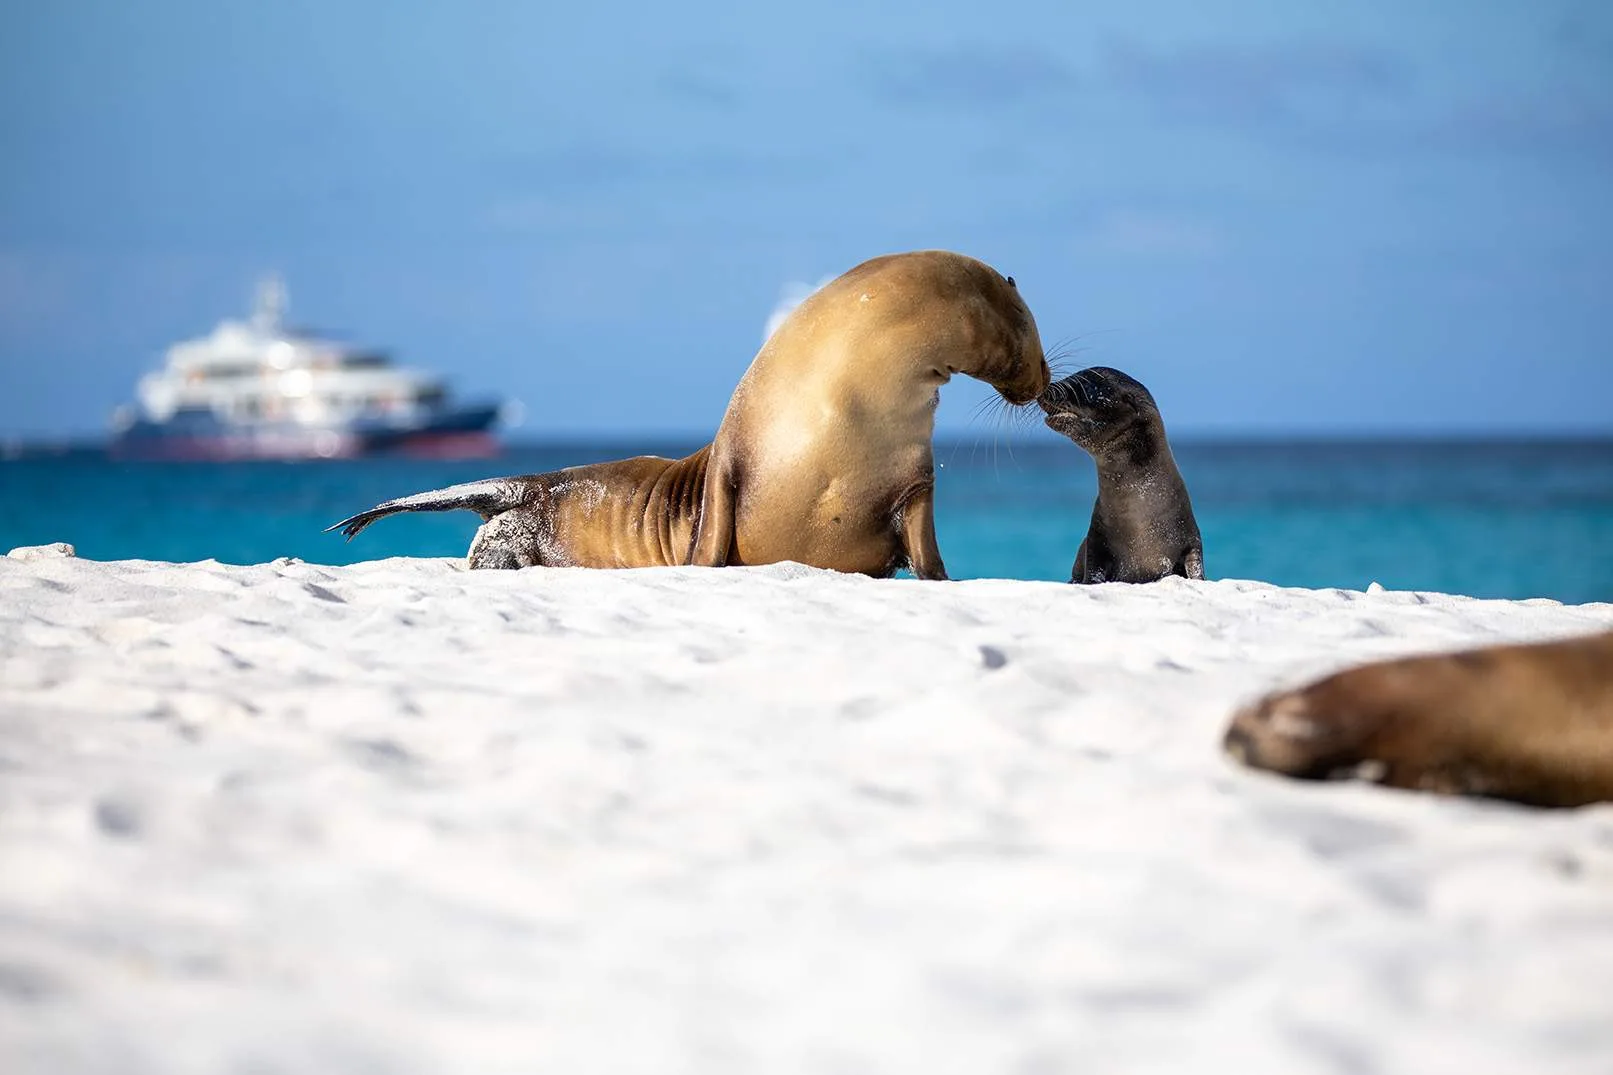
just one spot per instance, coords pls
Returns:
(1488, 519)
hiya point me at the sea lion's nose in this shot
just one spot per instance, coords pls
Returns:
(1057, 396)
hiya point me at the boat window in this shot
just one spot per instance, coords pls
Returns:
(222, 371)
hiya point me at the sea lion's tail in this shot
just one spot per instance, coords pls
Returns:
(487, 498)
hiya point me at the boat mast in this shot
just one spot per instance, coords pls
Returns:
(270, 307)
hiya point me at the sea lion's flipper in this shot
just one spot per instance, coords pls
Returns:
(487, 498)
(916, 517)
(713, 538)
(1078, 570)
(1193, 563)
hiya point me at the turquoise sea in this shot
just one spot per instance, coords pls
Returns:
(1485, 518)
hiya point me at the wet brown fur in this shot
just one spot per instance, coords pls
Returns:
(637, 512)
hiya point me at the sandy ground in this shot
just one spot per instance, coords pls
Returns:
(400, 817)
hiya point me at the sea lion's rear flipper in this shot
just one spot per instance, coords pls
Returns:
(713, 538)
(487, 498)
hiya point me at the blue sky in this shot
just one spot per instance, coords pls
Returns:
(1386, 216)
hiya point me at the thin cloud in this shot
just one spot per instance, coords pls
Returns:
(968, 76)
(1257, 84)
(1555, 124)
(35, 291)
(1585, 33)
(583, 166)
(592, 166)
(698, 89)
(1136, 232)
(1335, 97)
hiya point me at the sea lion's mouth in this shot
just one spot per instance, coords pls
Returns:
(1067, 404)
(1066, 422)
(1024, 391)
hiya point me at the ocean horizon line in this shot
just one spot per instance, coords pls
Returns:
(21, 447)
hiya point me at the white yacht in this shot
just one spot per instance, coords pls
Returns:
(258, 390)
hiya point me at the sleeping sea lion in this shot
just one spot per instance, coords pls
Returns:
(1531, 723)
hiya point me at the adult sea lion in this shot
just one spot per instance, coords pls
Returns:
(823, 456)
(636, 512)
(1531, 723)
(1142, 523)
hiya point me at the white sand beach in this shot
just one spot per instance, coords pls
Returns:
(401, 817)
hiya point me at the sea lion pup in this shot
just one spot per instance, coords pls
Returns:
(1531, 723)
(1142, 523)
(824, 455)
(636, 512)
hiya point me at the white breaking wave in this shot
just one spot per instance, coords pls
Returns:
(791, 295)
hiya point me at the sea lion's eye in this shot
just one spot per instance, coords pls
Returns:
(1011, 282)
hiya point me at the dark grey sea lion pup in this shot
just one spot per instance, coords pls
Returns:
(1142, 524)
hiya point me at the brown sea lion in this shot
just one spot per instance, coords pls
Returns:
(823, 456)
(1531, 723)
(636, 512)
(1142, 523)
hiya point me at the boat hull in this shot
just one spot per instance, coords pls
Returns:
(462, 433)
